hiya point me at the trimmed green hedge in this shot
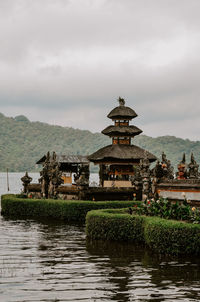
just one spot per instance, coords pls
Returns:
(70, 210)
(171, 236)
(109, 225)
(164, 236)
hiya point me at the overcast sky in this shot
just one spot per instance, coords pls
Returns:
(66, 62)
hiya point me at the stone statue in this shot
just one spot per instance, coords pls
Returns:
(168, 170)
(26, 179)
(193, 172)
(182, 169)
(163, 170)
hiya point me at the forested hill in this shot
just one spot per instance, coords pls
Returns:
(23, 142)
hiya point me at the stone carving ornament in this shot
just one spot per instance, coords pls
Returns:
(26, 180)
(182, 169)
(145, 175)
(193, 167)
(51, 176)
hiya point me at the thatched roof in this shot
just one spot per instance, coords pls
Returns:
(69, 159)
(122, 130)
(120, 153)
(122, 112)
(78, 159)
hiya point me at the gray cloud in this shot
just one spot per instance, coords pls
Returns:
(66, 62)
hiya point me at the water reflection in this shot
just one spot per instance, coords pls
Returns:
(140, 275)
(51, 261)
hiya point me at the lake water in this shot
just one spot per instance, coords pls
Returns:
(52, 261)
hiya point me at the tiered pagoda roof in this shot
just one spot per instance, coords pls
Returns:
(122, 111)
(120, 154)
(122, 130)
(121, 150)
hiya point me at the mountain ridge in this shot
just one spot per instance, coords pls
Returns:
(23, 143)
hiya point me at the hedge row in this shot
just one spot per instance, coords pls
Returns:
(164, 236)
(70, 210)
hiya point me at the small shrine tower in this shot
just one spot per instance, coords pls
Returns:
(118, 160)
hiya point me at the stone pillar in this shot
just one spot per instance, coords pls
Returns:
(145, 175)
(101, 174)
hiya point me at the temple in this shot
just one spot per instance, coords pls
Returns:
(124, 172)
(118, 162)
